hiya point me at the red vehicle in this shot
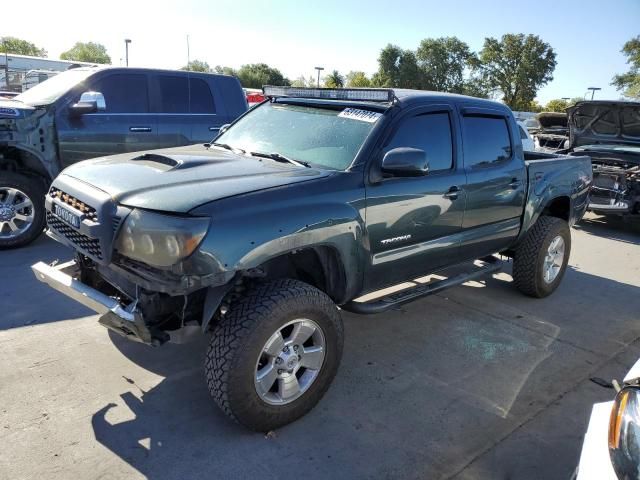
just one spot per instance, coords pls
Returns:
(254, 96)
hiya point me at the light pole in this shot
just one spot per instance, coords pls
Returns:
(319, 69)
(593, 90)
(127, 41)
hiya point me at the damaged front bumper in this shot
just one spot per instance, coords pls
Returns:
(125, 320)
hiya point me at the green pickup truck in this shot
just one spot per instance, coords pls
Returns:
(295, 211)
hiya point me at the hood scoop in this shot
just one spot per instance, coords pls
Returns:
(156, 160)
(174, 162)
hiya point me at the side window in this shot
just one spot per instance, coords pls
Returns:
(430, 132)
(174, 94)
(486, 140)
(123, 93)
(201, 98)
(523, 134)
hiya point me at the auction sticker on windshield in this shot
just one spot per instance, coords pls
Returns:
(362, 115)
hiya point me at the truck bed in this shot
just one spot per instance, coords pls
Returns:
(548, 173)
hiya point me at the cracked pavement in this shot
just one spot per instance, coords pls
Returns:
(475, 382)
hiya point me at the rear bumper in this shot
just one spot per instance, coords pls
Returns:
(124, 320)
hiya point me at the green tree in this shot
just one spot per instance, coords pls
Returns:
(197, 66)
(87, 52)
(358, 80)
(334, 80)
(556, 105)
(443, 62)
(20, 47)
(397, 68)
(257, 75)
(225, 71)
(517, 65)
(534, 106)
(629, 82)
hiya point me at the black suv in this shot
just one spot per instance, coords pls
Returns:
(91, 112)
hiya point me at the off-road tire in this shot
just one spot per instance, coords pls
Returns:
(33, 187)
(528, 260)
(239, 337)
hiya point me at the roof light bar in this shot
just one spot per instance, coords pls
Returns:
(354, 94)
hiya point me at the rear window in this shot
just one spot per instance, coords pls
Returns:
(201, 99)
(174, 94)
(123, 92)
(486, 140)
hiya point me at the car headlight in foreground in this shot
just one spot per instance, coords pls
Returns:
(624, 433)
(160, 240)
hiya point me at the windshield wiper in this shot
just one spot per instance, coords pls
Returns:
(280, 158)
(226, 147)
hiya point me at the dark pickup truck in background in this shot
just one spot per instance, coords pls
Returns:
(90, 112)
(308, 201)
(609, 133)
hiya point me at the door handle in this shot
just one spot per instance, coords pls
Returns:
(515, 183)
(453, 192)
(139, 129)
(214, 129)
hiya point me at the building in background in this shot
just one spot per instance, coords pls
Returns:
(21, 72)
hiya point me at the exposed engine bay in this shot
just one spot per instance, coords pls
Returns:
(609, 132)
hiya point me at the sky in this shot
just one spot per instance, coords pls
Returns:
(295, 36)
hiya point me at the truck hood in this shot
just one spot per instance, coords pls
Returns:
(604, 122)
(14, 109)
(180, 179)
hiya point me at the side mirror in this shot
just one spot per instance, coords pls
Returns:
(224, 128)
(405, 162)
(90, 102)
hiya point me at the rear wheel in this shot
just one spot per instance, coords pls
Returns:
(21, 209)
(540, 261)
(274, 354)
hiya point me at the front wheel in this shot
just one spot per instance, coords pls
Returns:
(21, 209)
(540, 261)
(274, 354)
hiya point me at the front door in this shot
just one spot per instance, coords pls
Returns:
(413, 223)
(126, 125)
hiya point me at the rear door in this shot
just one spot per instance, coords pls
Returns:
(126, 124)
(206, 115)
(170, 101)
(413, 223)
(496, 182)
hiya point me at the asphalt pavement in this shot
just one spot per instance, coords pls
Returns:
(475, 382)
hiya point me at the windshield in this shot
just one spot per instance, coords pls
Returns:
(319, 136)
(53, 88)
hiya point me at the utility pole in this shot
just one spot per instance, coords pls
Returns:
(593, 90)
(127, 41)
(319, 69)
(188, 56)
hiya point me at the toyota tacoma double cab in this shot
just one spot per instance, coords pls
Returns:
(296, 210)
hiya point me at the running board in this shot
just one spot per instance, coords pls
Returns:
(492, 264)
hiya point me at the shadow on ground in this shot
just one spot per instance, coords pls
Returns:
(612, 227)
(22, 296)
(428, 391)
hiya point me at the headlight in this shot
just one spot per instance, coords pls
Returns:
(160, 240)
(624, 433)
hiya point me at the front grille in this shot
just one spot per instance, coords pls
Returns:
(89, 245)
(88, 211)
